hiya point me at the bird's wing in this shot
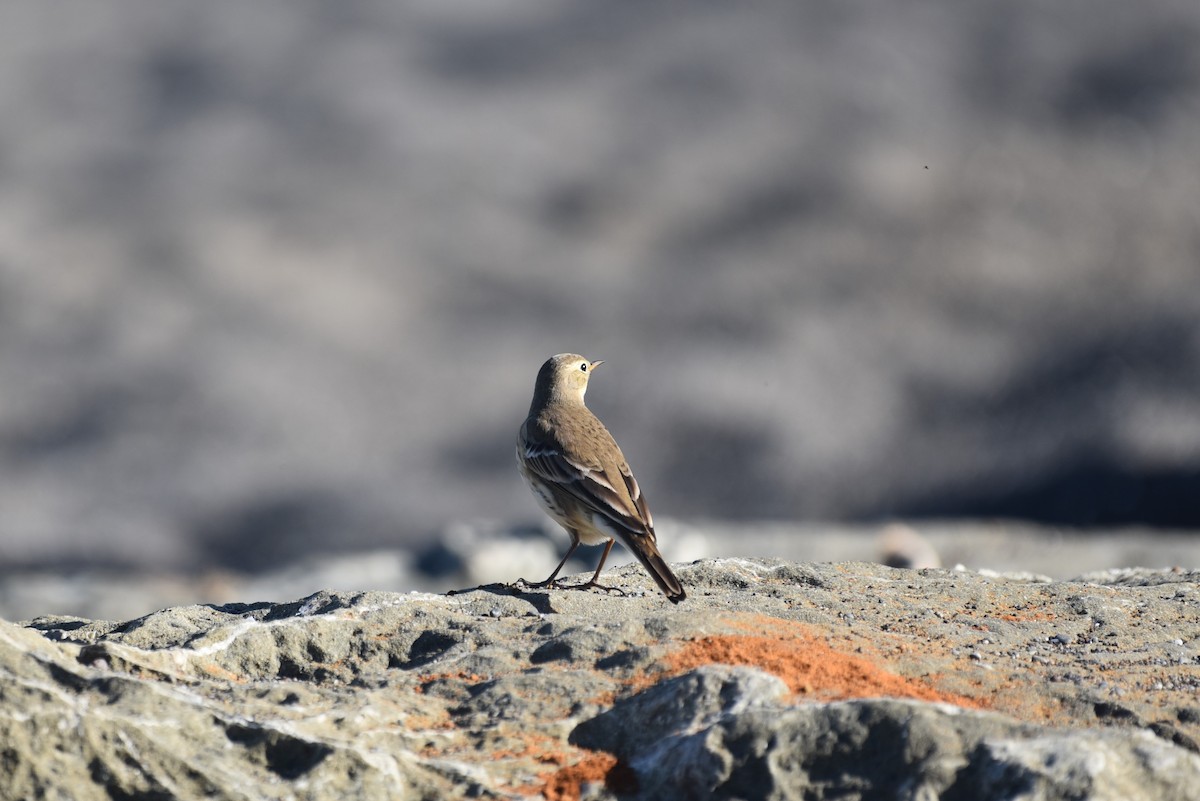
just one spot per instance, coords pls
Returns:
(590, 484)
(635, 494)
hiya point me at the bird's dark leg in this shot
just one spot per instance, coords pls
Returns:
(594, 583)
(550, 583)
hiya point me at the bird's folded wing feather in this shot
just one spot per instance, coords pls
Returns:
(590, 485)
(635, 493)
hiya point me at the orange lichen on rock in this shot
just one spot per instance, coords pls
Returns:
(461, 675)
(569, 768)
(218, 672)
(439, 722)
(1024, 616)
(808, 665)
(566, 783)
(539, 748)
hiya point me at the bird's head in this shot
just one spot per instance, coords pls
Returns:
(564, 377)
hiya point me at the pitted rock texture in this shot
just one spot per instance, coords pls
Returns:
(773, 680)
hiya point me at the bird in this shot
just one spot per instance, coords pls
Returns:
(580, 477)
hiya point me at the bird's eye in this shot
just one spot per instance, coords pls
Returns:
(583, 367)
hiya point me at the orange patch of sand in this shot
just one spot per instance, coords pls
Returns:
(439, 722)
(425, 679)
(807, 664)
(1028, 616)
(569, 769)
(537, 747)
(217, 672)
(566, 783)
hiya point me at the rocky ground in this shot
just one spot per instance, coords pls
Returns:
(774, 679)
(468, 553)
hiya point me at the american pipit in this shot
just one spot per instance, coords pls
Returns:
(581, 478)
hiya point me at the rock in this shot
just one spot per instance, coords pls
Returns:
(635, 728)
(1100, 765)
(753, 748)
(479, 552)
(773, 680)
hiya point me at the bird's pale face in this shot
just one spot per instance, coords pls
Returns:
(571, 374)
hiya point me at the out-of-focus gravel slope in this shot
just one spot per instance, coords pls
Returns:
(276, 280)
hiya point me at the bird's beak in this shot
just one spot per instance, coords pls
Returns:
(596, 364)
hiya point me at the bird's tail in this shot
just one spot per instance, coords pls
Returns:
(646, 551)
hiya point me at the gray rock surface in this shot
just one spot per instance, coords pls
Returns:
(480, 552)
(879, 748)
(774, 680)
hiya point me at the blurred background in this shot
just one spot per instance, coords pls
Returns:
(276, 279)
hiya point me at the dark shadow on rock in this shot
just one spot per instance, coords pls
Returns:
(237, 608)
(428, 647)
(286, 756)
(319, 603)
(538, 599)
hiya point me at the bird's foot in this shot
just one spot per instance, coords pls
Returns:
(553, 584)
(595, 585)
(549, 584)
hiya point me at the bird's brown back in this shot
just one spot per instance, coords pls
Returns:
(585, 440)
